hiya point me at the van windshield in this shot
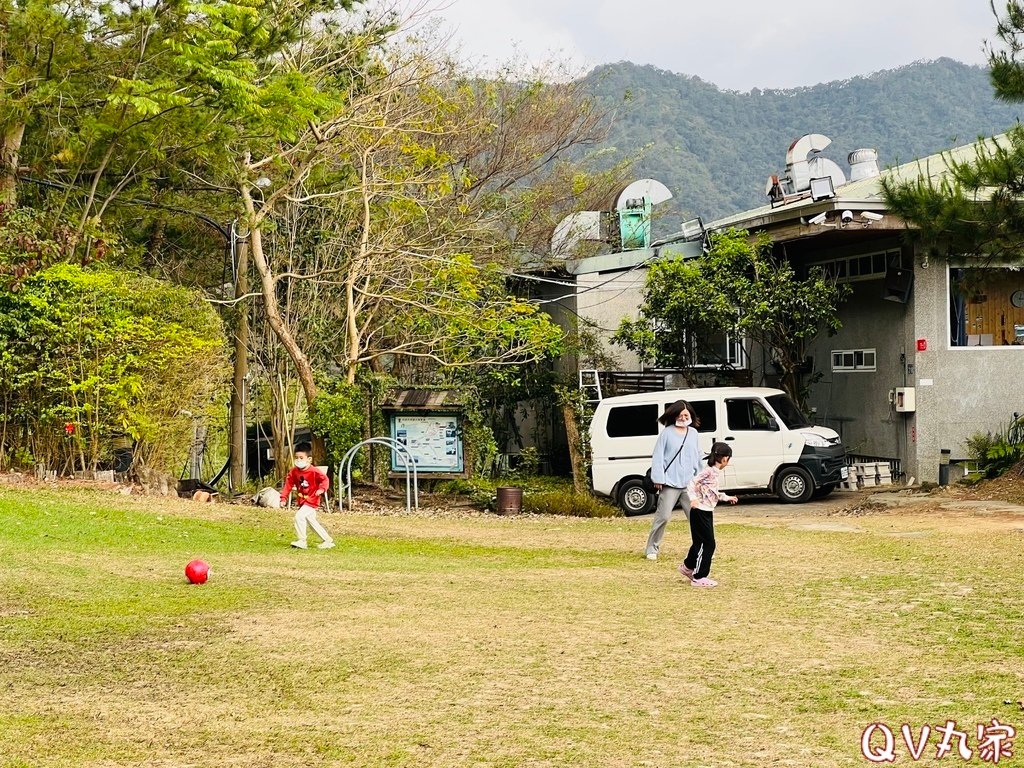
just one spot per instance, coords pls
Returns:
(787, 411)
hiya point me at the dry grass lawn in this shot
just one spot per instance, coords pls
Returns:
(487, 641)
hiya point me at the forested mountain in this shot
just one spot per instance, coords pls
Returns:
(714, 149)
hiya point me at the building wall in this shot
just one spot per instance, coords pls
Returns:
(959, 390)
(606, 299)
(856, 403)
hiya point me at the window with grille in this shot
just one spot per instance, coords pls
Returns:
(846, 360)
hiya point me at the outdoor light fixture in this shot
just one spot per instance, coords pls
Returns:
(822, 188)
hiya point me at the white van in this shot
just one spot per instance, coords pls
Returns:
(775, 447)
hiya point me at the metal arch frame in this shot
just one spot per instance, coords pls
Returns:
(412, 491)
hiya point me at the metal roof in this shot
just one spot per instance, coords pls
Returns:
(424, 399)
(865, 194)
(623, 260)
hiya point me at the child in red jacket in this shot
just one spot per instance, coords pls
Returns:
(309, 484)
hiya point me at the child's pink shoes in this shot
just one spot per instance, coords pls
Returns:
(705, 582)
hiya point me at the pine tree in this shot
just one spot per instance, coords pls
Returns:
(975, 206)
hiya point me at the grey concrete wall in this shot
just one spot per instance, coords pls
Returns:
(855, 403)
(606, 299)
(960, 390)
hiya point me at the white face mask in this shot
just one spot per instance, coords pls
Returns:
(683, 421)
(300, 464)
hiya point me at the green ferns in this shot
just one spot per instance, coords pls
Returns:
(997, 454)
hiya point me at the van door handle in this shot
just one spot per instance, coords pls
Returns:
(730, 438)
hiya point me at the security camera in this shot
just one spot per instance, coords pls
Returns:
(819, 219)
(871, 216)
(846, 217)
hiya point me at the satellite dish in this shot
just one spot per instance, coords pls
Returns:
(651, 189)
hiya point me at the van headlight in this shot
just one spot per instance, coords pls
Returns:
(815, 441)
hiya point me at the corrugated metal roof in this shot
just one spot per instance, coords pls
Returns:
(425, 399)
(865, 194)
(623, 260)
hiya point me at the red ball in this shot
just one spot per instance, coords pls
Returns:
(197, 572)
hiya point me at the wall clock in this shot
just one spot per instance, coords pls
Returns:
(1017, 298)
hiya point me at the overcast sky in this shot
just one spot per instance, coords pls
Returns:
(735, 44)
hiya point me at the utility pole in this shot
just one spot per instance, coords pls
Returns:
(237, 441)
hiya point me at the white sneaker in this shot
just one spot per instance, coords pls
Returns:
(299, 545)
(652, 556)
(326, 545)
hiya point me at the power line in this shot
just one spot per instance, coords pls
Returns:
(535, 278)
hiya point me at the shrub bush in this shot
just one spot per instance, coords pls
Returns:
(568, 503)
(90, 358)
(998, 453)
(338, 418)
(542, 495)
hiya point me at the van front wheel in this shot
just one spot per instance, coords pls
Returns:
(794, 485)
(634, 499)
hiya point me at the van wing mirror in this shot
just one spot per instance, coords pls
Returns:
(773, 425)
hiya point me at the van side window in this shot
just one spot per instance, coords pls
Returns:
(704, 410)
(748, 415)
(633, 420)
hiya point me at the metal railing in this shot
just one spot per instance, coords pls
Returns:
(412, 491)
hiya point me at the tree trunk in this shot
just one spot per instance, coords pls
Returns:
(151, 256)
(10, 150)
(352, 323)
(241, 369)
(572, 434)
(353, 330)
(268, 290)
(280, 431)
(791, 384)
(268, 285)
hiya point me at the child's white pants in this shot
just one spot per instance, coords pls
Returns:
(307, 514)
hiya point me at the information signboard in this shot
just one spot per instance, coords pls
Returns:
(433, 440)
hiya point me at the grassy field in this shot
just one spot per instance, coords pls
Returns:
(492, 641)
